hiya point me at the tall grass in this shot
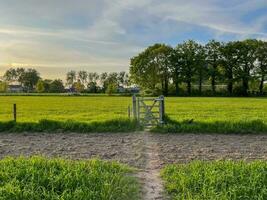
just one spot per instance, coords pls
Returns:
(116, 125)
(217, 180)
(191, 126)
(38, 178)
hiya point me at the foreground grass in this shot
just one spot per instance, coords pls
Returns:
(217, 180)
(116, 125)
(38, 178)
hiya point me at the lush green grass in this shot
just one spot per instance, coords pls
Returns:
(218, 115)
(217, 180)
(210, 109)
(116, 125)
(38, 178)
(80, 109)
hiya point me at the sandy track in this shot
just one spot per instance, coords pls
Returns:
(148, 152)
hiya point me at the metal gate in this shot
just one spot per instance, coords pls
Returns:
(149, 111)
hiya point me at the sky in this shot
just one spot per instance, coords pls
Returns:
(55, 36)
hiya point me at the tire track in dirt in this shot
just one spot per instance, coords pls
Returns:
(150, 174)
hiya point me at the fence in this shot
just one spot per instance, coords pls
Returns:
(147, 110)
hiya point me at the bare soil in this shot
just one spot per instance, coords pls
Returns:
(145, 151)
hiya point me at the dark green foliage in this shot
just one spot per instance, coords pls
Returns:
(217, 180)
(38, 178)
(216, 64)
(116, 125)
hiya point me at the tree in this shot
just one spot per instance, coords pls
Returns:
(261, 67)
(56, 86)
(176, 67)
(3, 86)
(112, 88)
(93, 78)
(190, 61)
(82, 76)
(123, 78)
(213, 58)
(152, 67)
(144, 72)
(29, 79)
(79, 87)
(40, 86)
(11, 75)
(71, 77)
(47, 83)
(229, 64)
(162, 58)
(246, 57)
(201, 66)
(103, 80)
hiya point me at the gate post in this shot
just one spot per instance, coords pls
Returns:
(161, 109)
(134, 106)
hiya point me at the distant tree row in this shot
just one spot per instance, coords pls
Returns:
(30, 81)
(93, 82)
(240, 66)
(81, 81)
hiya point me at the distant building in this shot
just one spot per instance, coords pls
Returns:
(14, 88)
(121, 89)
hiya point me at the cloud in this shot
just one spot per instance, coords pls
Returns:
(104, 34)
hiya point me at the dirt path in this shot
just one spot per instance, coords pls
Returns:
(145, 151)
(150, 175)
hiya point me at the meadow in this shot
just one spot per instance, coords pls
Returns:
(41, 178)
(101, 108)
(207, 114)
(216, 180)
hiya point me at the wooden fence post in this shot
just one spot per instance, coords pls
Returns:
(15, 112)
(129, 111)
(134, 106)
(161, 109)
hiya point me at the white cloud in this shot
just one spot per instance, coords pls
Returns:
(107, 33)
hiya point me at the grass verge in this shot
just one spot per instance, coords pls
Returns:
(39, 178)
(190, 126)
(117, 125)
(217, 180)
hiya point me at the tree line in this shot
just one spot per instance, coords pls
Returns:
(240, 66)
(81, 81)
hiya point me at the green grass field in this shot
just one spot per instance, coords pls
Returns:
(216, 180)
(85, 109)
(40, 178)
(207, 113)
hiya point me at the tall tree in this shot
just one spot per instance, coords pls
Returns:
(40, 86)
(103, 80)
(213, 58)
(229, 54)
(143, 70)
(162, 57)
(201, 66)
(71, 77)
(189, 50)
(29, 79)
(56, 86)
(152, 67)
(261, 69)
(246, 56)
(176, 67)
(82, 76)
